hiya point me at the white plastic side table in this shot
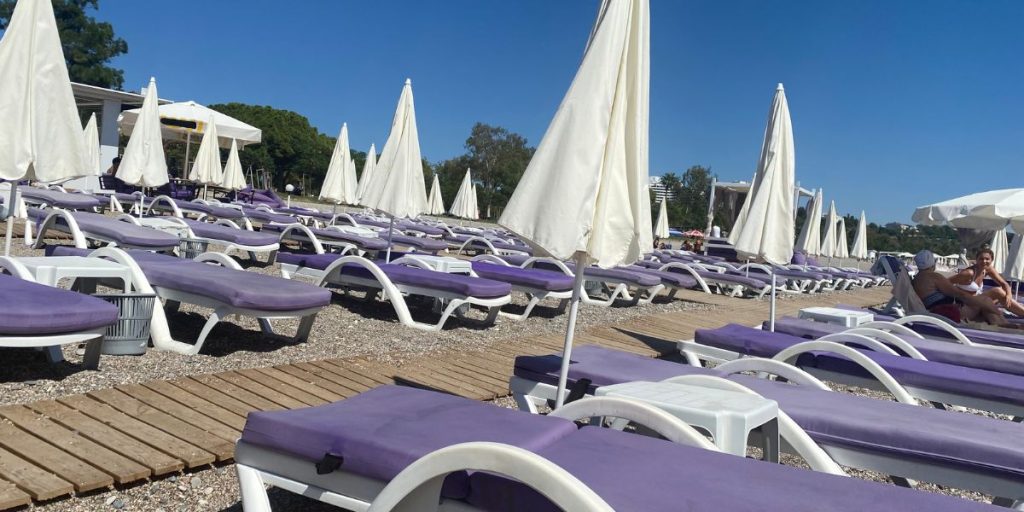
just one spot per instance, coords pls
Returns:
(51, 269)
(729, 416)
(444, 264)
(843, 317)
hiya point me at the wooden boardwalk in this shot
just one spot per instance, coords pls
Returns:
(131, 433)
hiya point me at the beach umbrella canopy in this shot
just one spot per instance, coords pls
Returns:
(983, 210)
(476, 207)
(91, 136)
(435, 202)
(206, 169)
(842, 250)
(368, 169)
(143, 162)
(40, 131)
(337, 186)
(351, 179)
(809, 240)
(234, 177)
(661, 226)
(398, 187)
(1015, 261)
(584, 196)
(188, 120)
(830, 241)
(1000, 249)
(464, 205)
(860, 242)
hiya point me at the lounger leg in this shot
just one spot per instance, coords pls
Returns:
(214, 319)
(254, 494)
(53, 353)
(171, 306)
(305, 326)
(265, 326)
(91, 361)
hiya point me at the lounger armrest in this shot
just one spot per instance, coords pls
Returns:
(16, 268)
(308, 233)
(218, 258)
(889, 339)
(531, 261)
(418, 486)
(474, 238)
(939, 323)
(847, 338)
(765, 366)
(131, 219)
(411, 260)
(171, 205)
(897, 329)
(490, 258)
(665, 424)
(790, 354)
(346, 217)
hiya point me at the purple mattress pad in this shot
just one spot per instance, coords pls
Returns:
(61, 199)
(230, 234)
(35, 309)
(363, 242)
(124, 233)
(526, 277)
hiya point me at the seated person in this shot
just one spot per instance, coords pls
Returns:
(972, 278)
(937, 293)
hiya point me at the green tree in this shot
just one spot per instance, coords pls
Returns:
(89, 45)
(498, 159)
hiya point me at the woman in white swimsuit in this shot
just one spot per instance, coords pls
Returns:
(972, 279)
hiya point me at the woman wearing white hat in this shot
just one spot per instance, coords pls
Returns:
(942, 297)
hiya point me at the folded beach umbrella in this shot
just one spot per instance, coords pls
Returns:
(842, 250)
(809, 240)
(1000, 249)
(368, 170)
(435, 202)
(397, 187)
(768, 225)
(234, 177)
(860, 242)
(661, 226)
(476, 207)
(91, 136)
(351, 180)
(338, 187)
(464, 205)
(206, 169)
(830, 241)
(1015, 261)
(584, 195)
(40, 131)
(143, 162)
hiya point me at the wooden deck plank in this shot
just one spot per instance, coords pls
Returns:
(191, 455)
(38, 483)
(294, 391)
(83, 476)
(12, 497)
(157, 461)
(192, 416)
(333, 376)
(317, 380)
(345, 371)
(258, 389)
(198, 403)
(307, 383)
(227, 395)
(122, 469)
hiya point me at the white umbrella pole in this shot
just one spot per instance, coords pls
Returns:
(771, 306)
(10, 217)
(391, 230)
(570, 330)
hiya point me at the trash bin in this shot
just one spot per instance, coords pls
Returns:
(189, 248)
(130, 335)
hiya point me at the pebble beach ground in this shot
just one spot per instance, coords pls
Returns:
(348, 328)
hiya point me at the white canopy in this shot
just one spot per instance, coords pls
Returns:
(368, 169)
(661, 227)
(188, 120)
(436, 202)
(984, 210)
(398, 188)
(143, 161)
(810, 235)
(40, 131)
(842, 250)
(766, 221)
(1000, 250)
(91, 136)
(234, 177)
(206, 169)
(351, 180)
(464, 205)
(337, 186)
(830, 241)
(860, 242)
(585, 192)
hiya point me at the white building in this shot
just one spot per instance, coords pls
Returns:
(659, 190)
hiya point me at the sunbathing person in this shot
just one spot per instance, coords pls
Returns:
(938, 294)
(972, 278)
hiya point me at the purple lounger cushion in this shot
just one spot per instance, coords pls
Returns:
(124, 233)
(639, 473)
(1005, 339)
(667, 278)
(238, 288)
(833, 417)
(34, 309)
(61, 199)
(929, 375)
(265, 216)
(426, 244)
(982, 358)
(527, 277)
(213, 210)
(365, 243)
(380, 432)
(230, 234)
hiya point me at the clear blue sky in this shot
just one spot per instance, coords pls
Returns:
(895, 103)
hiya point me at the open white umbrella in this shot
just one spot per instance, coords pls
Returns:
(337, 186)
(91, 136)
(40, 131)
(768, 225)
(842, 250)
(809, 240)
(368, 170)
(234, 177)
(1000, 249)
(143, 162)
(983, 210)
(207, 169)
(860, 242)
(397, 186)
(584, 195)
(830, 241)
(464, 205)
(435, 203)
(661, 227)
